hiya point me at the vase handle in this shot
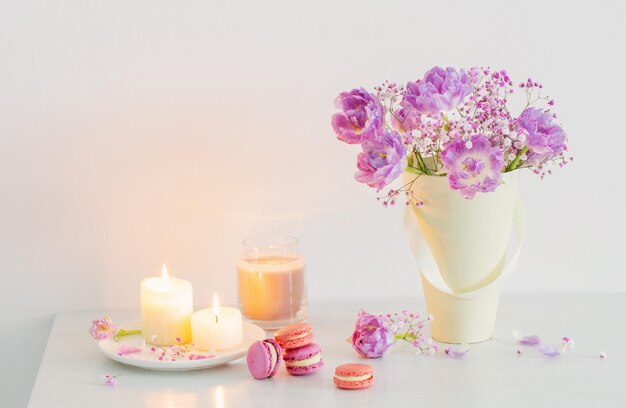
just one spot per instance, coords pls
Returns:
(428, 266)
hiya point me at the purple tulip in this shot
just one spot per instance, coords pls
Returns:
(545, 139)
(371, 338)
(362, 115)
(382, 160)
(440, 90)
(405, 119)
(472, 166)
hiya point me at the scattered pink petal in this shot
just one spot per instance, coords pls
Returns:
(548, 350)
(532, 340)
(454, 353)
(110, 380)
(602, 354)
(125, 350)
(568, 343)
(199, 356)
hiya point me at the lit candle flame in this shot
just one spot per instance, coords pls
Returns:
(216, 307)
(164, 275)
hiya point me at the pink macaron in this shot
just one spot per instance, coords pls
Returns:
(264, 357)
(354, 376)
(303, 360)
(294, 336)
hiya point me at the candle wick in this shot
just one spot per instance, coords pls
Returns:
(216, 319)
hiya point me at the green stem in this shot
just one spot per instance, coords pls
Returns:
(516, 160)
(122, 333)
(421, 162)
(414, 166)
(405, 337)
(413, 170)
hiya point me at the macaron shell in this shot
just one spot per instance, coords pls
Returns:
(279, 354)
(294, 336)
(301, 354)
(353, 385)
(354, 370)
(259, 358)
(296, 343)
(305, 370)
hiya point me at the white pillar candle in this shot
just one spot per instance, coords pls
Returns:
(217, 328)
(166, 308)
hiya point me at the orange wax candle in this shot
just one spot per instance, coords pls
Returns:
(271, 287)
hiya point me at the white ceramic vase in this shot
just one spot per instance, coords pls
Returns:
(464, 249)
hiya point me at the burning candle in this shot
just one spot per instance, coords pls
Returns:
(217, 328)
(166, 307)
(272, 290)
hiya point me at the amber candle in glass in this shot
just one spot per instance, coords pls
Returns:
(272, 288)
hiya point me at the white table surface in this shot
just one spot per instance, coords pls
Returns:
(492, 374)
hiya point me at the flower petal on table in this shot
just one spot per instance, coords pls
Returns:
(454, 353)
(548, 350)
(531, 340)
(125, 350)
(199, 356)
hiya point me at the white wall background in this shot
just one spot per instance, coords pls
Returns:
(138, 133)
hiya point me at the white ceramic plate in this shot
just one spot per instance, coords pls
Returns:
(149, 359)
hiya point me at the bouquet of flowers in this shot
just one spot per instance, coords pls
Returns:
(453, 123)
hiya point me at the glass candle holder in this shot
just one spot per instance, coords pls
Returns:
(272, 287)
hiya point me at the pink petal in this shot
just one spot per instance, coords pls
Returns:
(548, 350)
(199, 356)
(530, 340)
(454, 353)
(125, 350)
